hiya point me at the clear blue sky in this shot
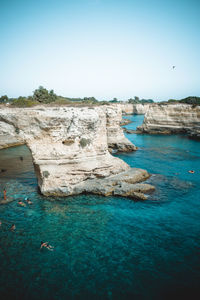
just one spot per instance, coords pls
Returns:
(101, 48)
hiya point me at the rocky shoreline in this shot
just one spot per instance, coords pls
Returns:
(125, 184)
(172, 119)
(69, 147)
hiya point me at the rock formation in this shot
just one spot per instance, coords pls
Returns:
(69, 147)
(127, 108)
(9, 132)
(116, 138)
(134, 109)
(172, 118)
(140, 109)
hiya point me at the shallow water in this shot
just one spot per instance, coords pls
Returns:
(105, 248)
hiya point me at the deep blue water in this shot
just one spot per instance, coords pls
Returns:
(105, 248)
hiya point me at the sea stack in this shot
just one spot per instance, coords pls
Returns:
(69, 146)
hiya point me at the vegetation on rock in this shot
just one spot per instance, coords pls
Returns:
(45, 174)
(137, 100)
(84, 142)
(188, 100)
(4, 99)
(43, 96)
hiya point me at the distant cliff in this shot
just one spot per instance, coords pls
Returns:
(69, 146)
(115, 134)
(172, 118)
(137, 109)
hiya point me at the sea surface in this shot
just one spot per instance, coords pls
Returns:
(105, 248)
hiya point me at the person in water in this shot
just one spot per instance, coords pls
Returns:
(4, 194)
(28, 201)
(191, 171)
(13, 227)
(46, 245)
(21, 203)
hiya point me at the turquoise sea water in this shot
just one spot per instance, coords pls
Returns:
(105, 248)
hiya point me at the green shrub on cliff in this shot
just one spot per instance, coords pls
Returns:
(45, 174)
(188, 100)
(172, 101)
(191, 100)
(137, 100)
(24, 102)
(89, 100)
(42, 95)
(84, 142)
(4, 99)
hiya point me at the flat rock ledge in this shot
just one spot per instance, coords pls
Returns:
(6, 201)
(125, 122)
(121, 147)
(125, 184)
(130, 131)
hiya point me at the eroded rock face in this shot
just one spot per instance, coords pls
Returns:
(127, 108)
(140, 109)
(116, 138)
(134, 109)
(9, 132)
(69, 145)
(172, 118)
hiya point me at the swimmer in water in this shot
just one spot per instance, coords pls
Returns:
(191, 171)
(13, 227)
(4, 194)
(46, 245)
(28, 201)
(21, 203)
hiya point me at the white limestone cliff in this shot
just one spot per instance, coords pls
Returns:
(140, 109)
(69, 146)
(172, 118)
(134, 109)
(116, 138)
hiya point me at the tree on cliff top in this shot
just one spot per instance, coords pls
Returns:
(4, 99)
(191, 100)
(42, 95)
(90, 100)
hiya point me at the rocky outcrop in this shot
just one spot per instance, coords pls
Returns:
(69, 147)
(116, 138)
(9, 132)
(129, 131)
(124, 184)
(125, 122)
(127, 108)
(140, 109)
(134, 109)
(172, 118)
